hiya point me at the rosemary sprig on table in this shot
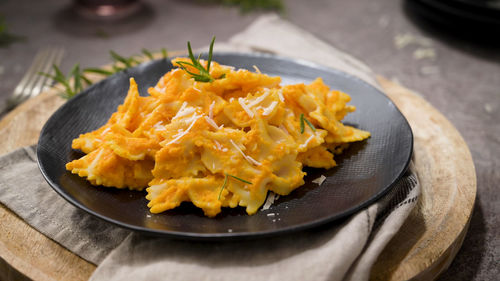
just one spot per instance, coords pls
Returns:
(225, 182)
(76, 80)
(70, 89)
(302, 125)
(121, 63)
(7, 38)
(204, 73)
(252, 5)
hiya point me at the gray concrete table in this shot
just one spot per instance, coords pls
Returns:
(460, 78)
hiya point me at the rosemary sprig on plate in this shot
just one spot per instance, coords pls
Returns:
(204, 73)
(302, 125)
(225, 182)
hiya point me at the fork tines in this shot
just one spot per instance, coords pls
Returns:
(32, 82)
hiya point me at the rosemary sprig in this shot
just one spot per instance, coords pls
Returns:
(225, 182)
(251, 5)
(240, 179)
(99, 71)
(147, 53)
(121, 62)
(7, 38)
(73, 83)
(204, 73)
(223, 186)
(302, 126)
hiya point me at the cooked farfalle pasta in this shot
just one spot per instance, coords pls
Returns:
(226, 143)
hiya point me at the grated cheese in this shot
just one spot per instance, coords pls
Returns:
(183, 106)
(259, 99)
(270, 109)
(158, 126)
(280, 95)
(248, 158)
(219, 146)
(304, 145)
(245, 107)
(255, 162)
(256, 69)
(185, 132)
(91, 167)
(211, 110)
(319, 180)
(269, 200)
(106, 131)
(211, 122)
(179, 132)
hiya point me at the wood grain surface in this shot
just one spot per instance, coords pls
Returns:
(421, 250)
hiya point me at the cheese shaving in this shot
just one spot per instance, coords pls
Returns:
(211, 110)
(319, 180)
(245, 107)
(185, 132)
(259, 99)
(256, 69)
(219, 146)
(269, 201)
(248, 158)
(280, 95)
(270, 109)
(159, 126)
(304, 145)
(211, 122)
(180, 112)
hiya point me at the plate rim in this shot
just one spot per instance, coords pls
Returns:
(228, 236)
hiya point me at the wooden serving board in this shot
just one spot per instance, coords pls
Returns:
(421, 250)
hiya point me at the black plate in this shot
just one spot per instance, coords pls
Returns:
(366, 171)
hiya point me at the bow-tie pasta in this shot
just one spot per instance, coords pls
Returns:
(226, 143)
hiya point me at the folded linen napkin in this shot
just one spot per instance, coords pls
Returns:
(340, 252)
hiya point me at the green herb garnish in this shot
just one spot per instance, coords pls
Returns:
(204, 73)
(7, 38)
(73, 83)
(252, 5)
(223, 186)
(225, 182)
(76, 80)
(242, 180)
(147, 53)
(302, 126)
(164, 53)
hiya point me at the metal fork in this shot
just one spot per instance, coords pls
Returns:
(32, 82)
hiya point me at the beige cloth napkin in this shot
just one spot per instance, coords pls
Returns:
(340, 252)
